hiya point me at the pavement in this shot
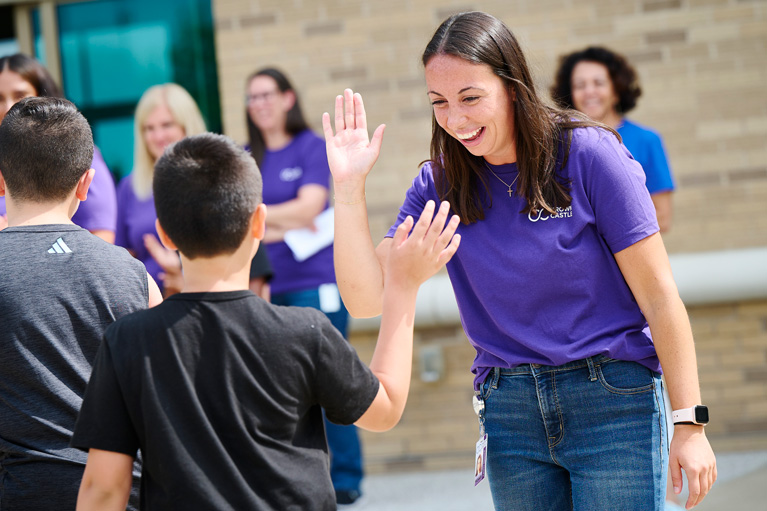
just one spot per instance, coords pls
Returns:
(741, 484)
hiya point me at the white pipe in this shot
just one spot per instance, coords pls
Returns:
(702, 278)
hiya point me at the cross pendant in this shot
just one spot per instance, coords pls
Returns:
(510, 191)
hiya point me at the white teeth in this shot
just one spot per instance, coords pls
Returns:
(468, 135)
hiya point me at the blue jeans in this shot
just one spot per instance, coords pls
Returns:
(588, 435)
(343, 441)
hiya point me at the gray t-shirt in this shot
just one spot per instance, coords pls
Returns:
(60, 287)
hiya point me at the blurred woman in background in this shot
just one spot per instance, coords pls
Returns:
(603, 85)
(22, 77)
(165, 114)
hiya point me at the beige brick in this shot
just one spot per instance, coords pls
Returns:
(745, 393)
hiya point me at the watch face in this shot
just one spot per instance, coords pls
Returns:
(701, 414)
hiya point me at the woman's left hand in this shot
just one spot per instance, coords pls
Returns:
(691, 451)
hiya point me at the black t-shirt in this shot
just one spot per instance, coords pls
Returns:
(222, 394)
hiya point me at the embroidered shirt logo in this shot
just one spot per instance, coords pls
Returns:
(59, 248)
(291, 173)
(545, 215)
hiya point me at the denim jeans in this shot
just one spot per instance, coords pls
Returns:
(343, 441)
(588, 435)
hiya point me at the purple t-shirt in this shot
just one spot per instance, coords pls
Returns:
(99, 211)
(546, 289)
(135, 218)
(302, 162)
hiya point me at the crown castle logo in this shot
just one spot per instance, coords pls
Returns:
(545, 215)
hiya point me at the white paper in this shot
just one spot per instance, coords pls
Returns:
(304, 243)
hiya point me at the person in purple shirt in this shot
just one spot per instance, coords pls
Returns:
(296, 178)
(165, 114)
(603, 85)
(560, 279)
(22, 77)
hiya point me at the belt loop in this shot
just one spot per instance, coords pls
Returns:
(496, 377)
(592, 371)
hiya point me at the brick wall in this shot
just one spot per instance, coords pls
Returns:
(703, 66)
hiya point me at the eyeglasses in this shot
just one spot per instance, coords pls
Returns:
(252, 99)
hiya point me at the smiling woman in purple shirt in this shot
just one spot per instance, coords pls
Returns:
(22, 77)
(562, 281)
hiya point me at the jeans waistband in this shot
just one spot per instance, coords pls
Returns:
(589, 362)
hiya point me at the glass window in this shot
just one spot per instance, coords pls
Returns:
(113, 50)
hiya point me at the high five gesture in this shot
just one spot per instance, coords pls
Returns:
(351, 154)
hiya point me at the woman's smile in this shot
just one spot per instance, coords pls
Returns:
(473, 105)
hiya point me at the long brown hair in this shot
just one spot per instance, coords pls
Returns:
(542, 133)
(294, 123)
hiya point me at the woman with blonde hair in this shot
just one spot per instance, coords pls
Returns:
(165, 114)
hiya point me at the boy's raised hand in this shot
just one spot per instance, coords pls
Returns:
(431, 244)
(351, 154)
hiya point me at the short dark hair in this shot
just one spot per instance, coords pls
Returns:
(46, 145)
(294, 123)
(206, 188)
(33, 72)
(622, 75)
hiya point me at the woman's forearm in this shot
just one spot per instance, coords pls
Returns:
(672, 335)
(299, 212)
(359, 266)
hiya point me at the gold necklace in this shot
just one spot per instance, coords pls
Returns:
(511, 192)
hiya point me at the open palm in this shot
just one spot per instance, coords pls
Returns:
(351, 154)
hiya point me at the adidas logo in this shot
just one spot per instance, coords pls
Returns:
(59, 248)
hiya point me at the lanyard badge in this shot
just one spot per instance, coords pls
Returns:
(480, 456)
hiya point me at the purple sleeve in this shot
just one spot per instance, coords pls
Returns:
(99, 210)
(623, 210)
(124, 202)
(315, 162)
(419, 193)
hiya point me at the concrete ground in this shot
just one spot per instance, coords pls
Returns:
(742, 484)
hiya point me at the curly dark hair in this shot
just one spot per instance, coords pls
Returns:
(622, 74)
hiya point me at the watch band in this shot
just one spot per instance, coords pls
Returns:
(688, 416)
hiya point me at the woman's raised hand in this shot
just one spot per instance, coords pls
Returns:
(351, 154)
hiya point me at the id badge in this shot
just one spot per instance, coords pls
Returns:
(480, 460)
(330, 299)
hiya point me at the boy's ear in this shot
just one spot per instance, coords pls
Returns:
(258, 222)
(164, 236)
(2, 185)
(81, 191)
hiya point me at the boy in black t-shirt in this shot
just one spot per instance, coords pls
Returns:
(222, 391)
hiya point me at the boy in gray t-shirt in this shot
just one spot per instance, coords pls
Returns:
(60, 287)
